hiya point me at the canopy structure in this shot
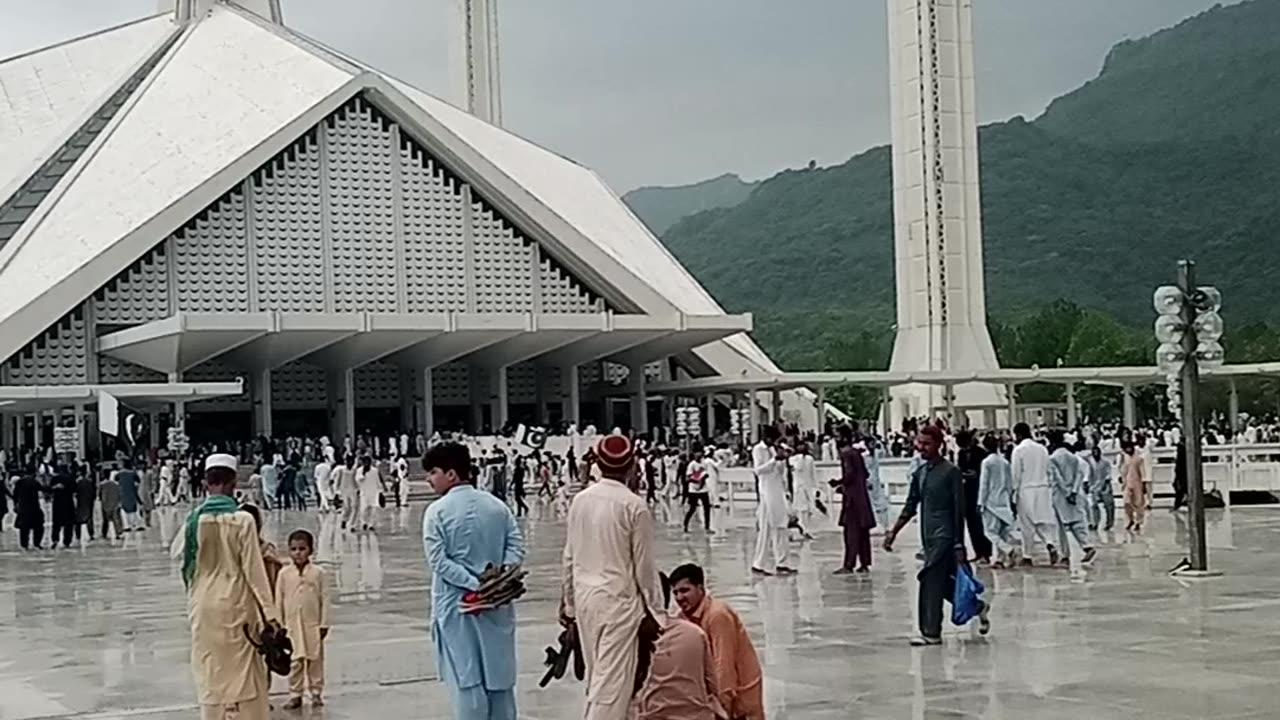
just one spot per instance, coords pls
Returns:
(35, 398)
(267, 340)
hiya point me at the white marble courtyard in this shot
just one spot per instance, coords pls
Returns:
(99, 632)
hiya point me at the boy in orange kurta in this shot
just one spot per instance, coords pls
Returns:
(303, 601)
(739, 679)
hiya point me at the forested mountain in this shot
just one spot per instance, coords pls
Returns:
(661, 207)
(1172, 151)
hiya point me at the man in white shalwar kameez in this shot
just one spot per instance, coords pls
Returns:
(1030, 463)
(610, 584)
(804, 488)
(324, 487)
(770, 466)
(227, 591)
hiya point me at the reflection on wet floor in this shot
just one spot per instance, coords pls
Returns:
(100, 631)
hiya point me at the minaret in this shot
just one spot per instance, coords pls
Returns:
(942, 323)
(473, 58)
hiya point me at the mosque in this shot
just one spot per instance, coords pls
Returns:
(222, 223)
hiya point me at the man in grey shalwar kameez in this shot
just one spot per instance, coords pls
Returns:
(995, 502)
(938, 486)
(1067, 481)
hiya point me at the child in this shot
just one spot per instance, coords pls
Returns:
(304, 605)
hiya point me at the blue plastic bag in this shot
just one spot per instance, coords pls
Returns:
(966, 603)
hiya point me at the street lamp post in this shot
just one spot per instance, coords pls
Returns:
(1188, 328)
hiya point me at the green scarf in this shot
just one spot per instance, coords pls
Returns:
(214, 505)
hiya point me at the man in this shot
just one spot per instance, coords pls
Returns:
(682, 677)
(937, 489)
(1067, 480)
(147, 481)
(969, 459)
(270, 485)
(28, 514)
(369, 483)
(324, 490)
(463, 533)
(804, 488)
(109, 497)
(86, 497)
(1180, 477)
(610, 586)
(230, 599)
(402, 481)
(737, 667)
(769, 462)
(1133, 481)
(62, 490)
(995, 501)
(129, 482)
(1100, 485)
(1034, 497)
(855, 506)
(698, 492)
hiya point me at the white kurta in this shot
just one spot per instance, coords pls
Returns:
(370, 485)
(772, 474)
(609, 584)
(1030, 462)
(804, 479)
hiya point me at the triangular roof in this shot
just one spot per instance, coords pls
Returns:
(232, 92)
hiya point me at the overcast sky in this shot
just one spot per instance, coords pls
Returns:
(674, 91)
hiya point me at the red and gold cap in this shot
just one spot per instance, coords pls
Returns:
(614, 454)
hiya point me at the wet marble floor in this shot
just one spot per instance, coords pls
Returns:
(99, 632)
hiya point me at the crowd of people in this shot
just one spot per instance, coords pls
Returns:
(1003, 499)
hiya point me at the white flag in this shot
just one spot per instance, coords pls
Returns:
(108, 413)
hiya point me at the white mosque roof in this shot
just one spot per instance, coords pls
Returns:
(228, 95)
(46, 94)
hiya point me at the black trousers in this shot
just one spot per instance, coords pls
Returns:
(973, 519)
(521, 508)
(31, 530)
(857, 547)
(63, 531)
(80, 526)
(694, 500)
(937, 584)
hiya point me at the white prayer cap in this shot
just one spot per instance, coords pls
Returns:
(221, 460)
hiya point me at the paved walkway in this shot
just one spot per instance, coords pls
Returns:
(100, 631)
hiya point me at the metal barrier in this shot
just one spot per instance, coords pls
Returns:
(1227, 468)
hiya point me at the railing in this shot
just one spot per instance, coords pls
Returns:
(1227, 468)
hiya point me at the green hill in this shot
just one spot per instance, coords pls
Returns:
(1172, 151)
(661, 207)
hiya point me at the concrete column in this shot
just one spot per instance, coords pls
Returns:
(886, 410)
(478, 384)
(639, 400)
(341, 395)
(775, 406)
(1011, 395)
(428, 401)
(260, 394)
(821, 411)
(1130, 413)
(1233, 409)
(499, 399)
(409, 383)
(753, 408)
(179, 407)
(539, 396)
(1073, 414)
(82, 427)
(710, 420)
(571, 395)
(950, 392)
(38, 432)
(153, 429)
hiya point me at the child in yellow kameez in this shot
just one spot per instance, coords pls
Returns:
(303, 601)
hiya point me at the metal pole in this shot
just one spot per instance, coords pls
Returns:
(1191, 421)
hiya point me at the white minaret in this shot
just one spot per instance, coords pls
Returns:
(942, 322)
(473, 58)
